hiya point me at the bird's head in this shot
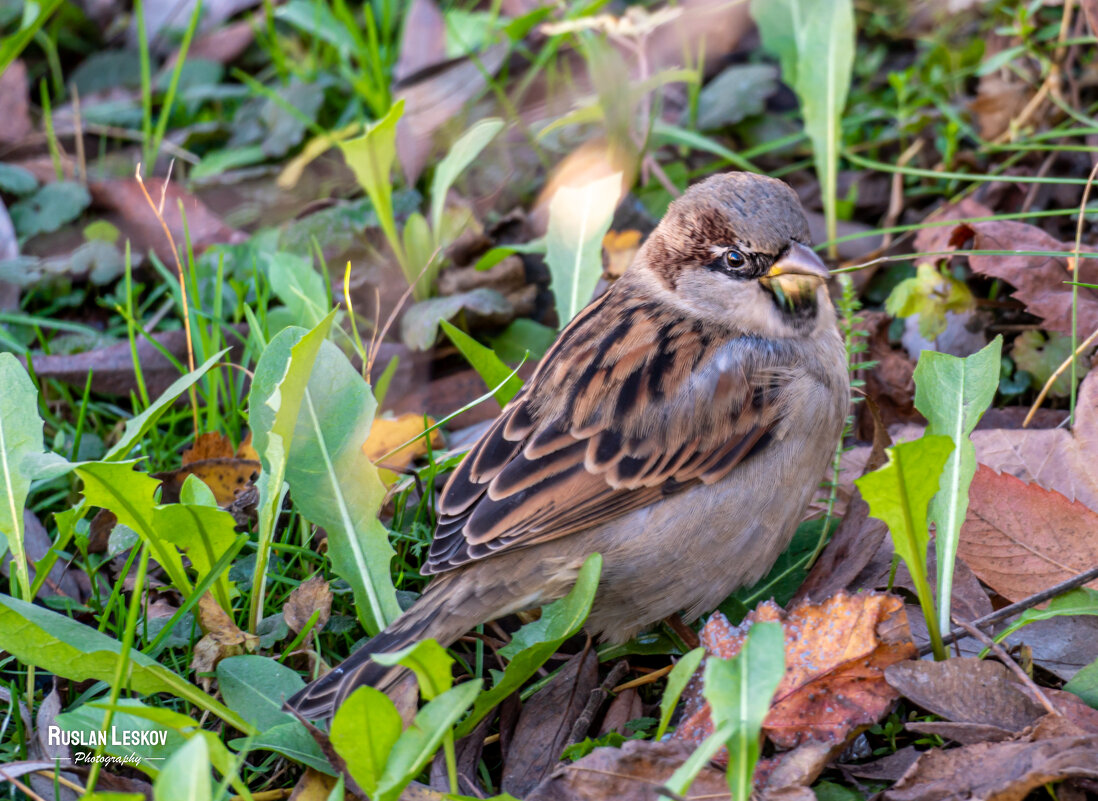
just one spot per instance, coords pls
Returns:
(734, 250)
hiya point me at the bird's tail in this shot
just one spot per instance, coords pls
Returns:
(434, 615)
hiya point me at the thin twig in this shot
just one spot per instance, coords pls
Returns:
(647, 678)
(1027, 681)
(159, 212)
(1008, 612)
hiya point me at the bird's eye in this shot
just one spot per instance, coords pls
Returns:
(733, 259)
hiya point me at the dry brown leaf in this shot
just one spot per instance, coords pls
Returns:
(996, 771)
(211, 445)
(1038, 280)
(222, 638)
(313, 786)
(1020, 538)
(387, 433)
(835, 654)
(998, 102)
(15, 122)
(635, 772)
(966, 691)
(308, 597)
(225, 477)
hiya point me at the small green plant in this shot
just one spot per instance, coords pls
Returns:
(418, 247)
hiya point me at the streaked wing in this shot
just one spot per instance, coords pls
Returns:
(616, 417)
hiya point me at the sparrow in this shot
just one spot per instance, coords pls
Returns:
(679, 426)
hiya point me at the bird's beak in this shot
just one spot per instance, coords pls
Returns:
(799, 261)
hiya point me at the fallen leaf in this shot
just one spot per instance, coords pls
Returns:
(1020, 538)
(222, 638)
(1041, 356)
(211, 445)
(998, 101)
(635, 772)
(308, 597)
(620, 248)
(1038, 280)
(313, 786)
(996, 771)
(966, 691)
(836, 653)
(387, 433)
(225, 477)
(15, 122)
(419, 325)
(545, 725)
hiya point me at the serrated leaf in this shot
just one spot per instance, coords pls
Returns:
(953, 394)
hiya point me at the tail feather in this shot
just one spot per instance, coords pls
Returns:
(432, 616)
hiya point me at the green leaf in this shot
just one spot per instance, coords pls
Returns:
(898, 494)
(487, 364)
(422, 254)
(417, 745)
(16, 181)
(461, 155)
(371, 158)
(929, 294)
(256, 687)
(1083, 601)
(186, 775)
(953, 395)
(523, 336)
(316, 19)
(364, 730)
(51, 207)
(676, 682)
(152, 753)
(274, 402)
(739, 691)
(137, 427)
(293, 741)
(578, 221)
(829, 791)
(429, 661)
(299, 286)
(20, 437)
(36, 636)
(419, 325)
(1085, 684)
(537, 641)
(336, 486)
(1040, 356)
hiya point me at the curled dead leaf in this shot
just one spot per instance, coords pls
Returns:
(308, 597)
(222, 638)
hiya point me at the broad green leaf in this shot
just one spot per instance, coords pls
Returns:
(429, 661)
(930, 294)
(898, 494)
(274, 403)
(1085, 684)
(316, 19)
(364, 730)
(415, 747)
(537, 641)
(578, 221)
(89, 718)
(15, 180)
(520, 337)
(51, 207)
(20, 437)
(58, 644)
(676, 682)
(461, 155)
(739, 691)
(419, 324)
(137, 427)
(256, 687)
(1083, 601)
(1041, 356)
(186, 776)
(371, 158)
(953, 395)
(293, 741)
(487, 364)
(336, 486)
(299, 286)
